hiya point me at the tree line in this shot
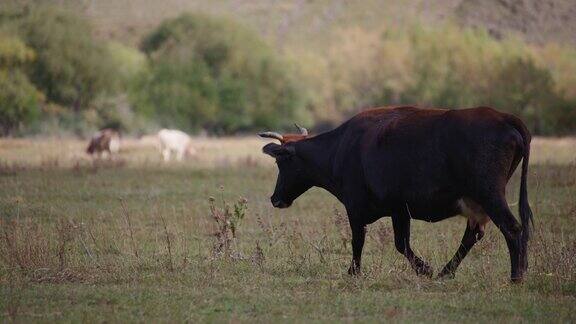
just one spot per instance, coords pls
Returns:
(198, 72)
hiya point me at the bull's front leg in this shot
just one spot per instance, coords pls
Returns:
(401, 225)
(358, 236)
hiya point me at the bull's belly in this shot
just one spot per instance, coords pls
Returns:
(431, 207)
(429, 212)
(463, 206)
(433, 213)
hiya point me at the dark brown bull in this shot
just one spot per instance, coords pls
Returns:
(411, 163)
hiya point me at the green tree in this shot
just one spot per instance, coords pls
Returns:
(19, 99)
(71, 67)
(177, 95)
(454, 68)
(526, 90)
(214, 74)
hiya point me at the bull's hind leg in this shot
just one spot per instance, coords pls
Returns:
(473, 233)
(401, 225)
(497, 208)
(477, 220)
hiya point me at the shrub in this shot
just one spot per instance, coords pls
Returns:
(71, 68)
(19, 99)
(214, 74)
(80, 78)
(453, 68)
(129, 62)
(522, 88)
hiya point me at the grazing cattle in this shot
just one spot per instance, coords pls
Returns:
(174, 141)
(411, 163)
(106, 141)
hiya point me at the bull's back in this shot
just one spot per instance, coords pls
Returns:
(421, 154)
(409, 134)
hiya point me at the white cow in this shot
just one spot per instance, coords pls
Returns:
(174, 141)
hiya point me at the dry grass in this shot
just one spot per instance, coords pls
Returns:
(16, 154)
(143, 241)
(19, 154)
(553, 150)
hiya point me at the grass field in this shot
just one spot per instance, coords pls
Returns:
(134, 240)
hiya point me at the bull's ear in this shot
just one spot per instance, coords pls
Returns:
(276, 151)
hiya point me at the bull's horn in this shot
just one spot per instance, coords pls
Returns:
(302, 130)
(271, 135)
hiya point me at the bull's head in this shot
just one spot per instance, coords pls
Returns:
(293, 179)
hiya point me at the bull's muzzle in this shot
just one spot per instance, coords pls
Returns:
(279, 203)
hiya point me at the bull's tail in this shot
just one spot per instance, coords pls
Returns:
(523, 206)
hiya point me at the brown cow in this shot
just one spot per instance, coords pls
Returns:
(106, 141)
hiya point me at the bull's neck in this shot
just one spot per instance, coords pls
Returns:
(319, 152)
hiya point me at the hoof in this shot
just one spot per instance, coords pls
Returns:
(354, 271)
(517, 280)
(517, 277)
(423, 269)
(446, 274)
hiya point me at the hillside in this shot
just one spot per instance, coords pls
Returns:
(300, 21)
(303, 22)
(535, 21)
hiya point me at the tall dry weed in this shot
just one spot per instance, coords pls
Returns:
(227, 219)
(38, 252)
(343, 229)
